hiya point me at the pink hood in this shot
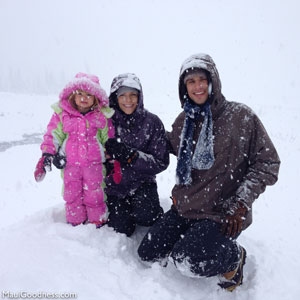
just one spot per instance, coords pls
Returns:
(87, 83)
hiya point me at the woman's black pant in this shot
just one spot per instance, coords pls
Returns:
(140, 208)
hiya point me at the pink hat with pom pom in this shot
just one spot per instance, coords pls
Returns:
(85, 82)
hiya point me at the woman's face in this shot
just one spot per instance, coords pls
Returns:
(128, 102)
(84, 101)
(197, 88)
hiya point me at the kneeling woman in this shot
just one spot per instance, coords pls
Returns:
(140, 146)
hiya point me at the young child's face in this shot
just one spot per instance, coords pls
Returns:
(84, 101)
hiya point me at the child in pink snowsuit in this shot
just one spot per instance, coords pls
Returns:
(74, 141)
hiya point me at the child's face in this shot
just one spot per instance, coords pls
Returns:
(84, 101)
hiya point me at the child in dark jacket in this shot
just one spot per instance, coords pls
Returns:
(140, 146)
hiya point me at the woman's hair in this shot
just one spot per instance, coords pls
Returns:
(71, 99)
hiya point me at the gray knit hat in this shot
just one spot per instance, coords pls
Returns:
(125, 89)
(192, 72)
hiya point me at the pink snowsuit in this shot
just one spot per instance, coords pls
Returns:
(80, 137)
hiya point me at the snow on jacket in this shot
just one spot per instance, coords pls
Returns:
(142, 131)
(79, 136)
(246, 160)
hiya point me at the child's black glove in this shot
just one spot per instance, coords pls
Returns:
(47, 161)
(59, 161)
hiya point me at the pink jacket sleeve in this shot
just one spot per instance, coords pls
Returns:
(53, 136)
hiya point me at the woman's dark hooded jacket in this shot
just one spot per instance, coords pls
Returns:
(245, 162)
(144, 132)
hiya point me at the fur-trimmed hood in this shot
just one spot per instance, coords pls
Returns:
(88, 83)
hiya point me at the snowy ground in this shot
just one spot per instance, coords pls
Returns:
(45, 43)
(40, 252)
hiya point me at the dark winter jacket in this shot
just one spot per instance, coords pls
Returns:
(245, 158)
(142, 131)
